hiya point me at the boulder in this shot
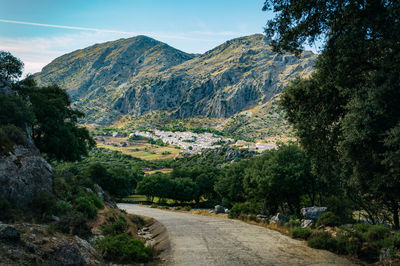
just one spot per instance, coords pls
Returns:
(307, 223)
(24, 173)
(9, 233)
(279, 218)
(63, 253)
(100, 192)
(313, 212)
(219, 209)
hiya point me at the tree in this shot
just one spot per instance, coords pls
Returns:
(55, 130)
(350, 106)
(280, 178)
(230, 186)
(10, 67)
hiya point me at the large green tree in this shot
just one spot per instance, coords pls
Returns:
(346, 113)
(55, 130)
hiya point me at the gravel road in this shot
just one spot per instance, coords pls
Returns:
(206, 240)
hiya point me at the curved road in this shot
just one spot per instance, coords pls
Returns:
(206, 240)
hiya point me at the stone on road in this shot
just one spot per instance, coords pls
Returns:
(206, 240)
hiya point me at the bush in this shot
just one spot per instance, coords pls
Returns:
(43, 203)
(117, 227)
(322, 240)
(5, 209)
(154, 205)
(292, 224)
(302, 233)
(178, 208)
(243, 208)
(124, 249)
(137, 220)
(377, 233)
(62, 207)
(187, 208)
(73, 223)
(86, 207)
(328, 219)
(10, 135)
(96, 201)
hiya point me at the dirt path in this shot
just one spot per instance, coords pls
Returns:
(203, 240)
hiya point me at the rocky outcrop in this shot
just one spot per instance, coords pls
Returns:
(139, 75)
(9, 233)
(23, 173)
(279, 218)
(313, 212)
(219, 209)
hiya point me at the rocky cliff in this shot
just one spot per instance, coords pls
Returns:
(139, 75)
(23, 173)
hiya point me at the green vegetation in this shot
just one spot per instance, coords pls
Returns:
(122, 248)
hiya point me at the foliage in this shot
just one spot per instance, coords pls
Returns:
(9, 136)
(56, 124)
(345, 114)
(124, 249)
(5, 209)
(243, 208)
(322, 240)
(280, 177)
(74, 223)
(86, 206)
(10, 66)
(117, 227)
(62, 207)
(43, 204)
(115, 180)
(15, 111)
(328, 219)
(302, 233)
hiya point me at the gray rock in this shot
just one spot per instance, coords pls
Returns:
(308, 223)
(9, 233)
(55, 218)
(99, 191)
(227, 211)
(279, 218)
(219, 209)
(260, 216)
(23, 174)
(313, 212)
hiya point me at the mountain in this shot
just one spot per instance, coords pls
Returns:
(140, 75)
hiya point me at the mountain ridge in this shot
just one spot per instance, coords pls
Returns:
(139, 75)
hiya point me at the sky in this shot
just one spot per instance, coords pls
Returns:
(39, 31)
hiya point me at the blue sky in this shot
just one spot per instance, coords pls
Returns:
(193, 26)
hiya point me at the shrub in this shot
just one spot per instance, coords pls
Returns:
(302, 233)
(86, 207)
(124, 249)
(187, 208)
(154, 205)
(292, 224)
(137, 220)
(96, 201)
(43, 203)
(178, 208)
(73, 223)
(62, 207)
(376, 233)
(328, 219)
(5, 209)
(117, 227)
(243, 208)
(322, 240)
(10, 135)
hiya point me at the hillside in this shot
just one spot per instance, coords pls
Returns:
(137, 76)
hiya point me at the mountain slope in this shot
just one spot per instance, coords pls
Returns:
(139, 75)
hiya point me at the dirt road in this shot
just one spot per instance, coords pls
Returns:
(204, 240)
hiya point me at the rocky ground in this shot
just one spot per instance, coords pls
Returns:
(203, 240)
